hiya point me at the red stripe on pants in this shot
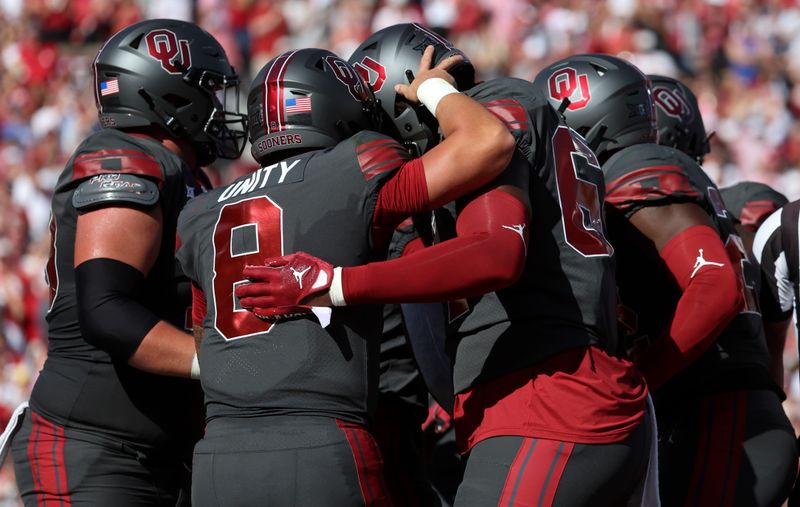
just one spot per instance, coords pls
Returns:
(740, 420)
(535, 472)
(46, 455)
(719, 451)
(369, 465)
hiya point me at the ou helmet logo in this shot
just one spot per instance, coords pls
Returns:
(164, 46)
(345, 73)
(672, 103)
(568, 84)
(369, 69)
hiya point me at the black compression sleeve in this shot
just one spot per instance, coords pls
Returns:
(110, 313)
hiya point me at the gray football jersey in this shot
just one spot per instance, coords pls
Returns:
(80, 385)
(321, 203)
(565, 296)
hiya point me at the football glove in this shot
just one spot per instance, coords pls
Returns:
(278, 288)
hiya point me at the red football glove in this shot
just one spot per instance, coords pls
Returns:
(438, 420)
(278, 288)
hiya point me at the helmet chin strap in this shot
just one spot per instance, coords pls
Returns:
(563, 106)
(172, 124)
(204, 152)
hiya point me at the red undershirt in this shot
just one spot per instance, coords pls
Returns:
(582, 395)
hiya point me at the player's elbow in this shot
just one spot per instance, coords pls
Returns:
(504, 260)
(500, 143)
(489, 148)
(724, 294)
(110, 317)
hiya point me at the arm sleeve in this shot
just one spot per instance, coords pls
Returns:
(488, 254)
(110, 312)
(402, 196)
(711, 298)
(198, 305)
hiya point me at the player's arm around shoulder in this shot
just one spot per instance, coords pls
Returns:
(476, 147)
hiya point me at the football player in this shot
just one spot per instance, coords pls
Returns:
(540, 396)
(750, 203)
(288, 402)
(105, 427)
(686, 313)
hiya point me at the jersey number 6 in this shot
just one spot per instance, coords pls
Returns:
(577, 178)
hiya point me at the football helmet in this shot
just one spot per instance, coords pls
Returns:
(605, 99)
(390, 57)
(680, 124)
(175, 75)
(307, 99)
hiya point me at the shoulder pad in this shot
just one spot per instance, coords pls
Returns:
(750, 202)
(377, 153)
(645, 175)
(105, 189)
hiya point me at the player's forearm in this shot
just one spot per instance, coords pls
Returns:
(113, 319)
(165, 350)
(711, 298)
(488, 254)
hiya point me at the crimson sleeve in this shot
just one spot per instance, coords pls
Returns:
(711, 298)
(403, 195)
(488, 254)
(198, 305)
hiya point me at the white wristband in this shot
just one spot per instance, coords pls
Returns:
(335, 292)
(195, 373)
(433, 90)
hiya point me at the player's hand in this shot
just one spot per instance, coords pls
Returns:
(425, 71)
(438, 420)
(285, 286)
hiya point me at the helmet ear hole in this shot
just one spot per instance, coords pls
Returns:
(135, 42)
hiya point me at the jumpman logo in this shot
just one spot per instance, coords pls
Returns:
(518, 228)
(298, 275)
(700, 262)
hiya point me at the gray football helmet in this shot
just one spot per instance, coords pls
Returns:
(307, 99)
(680, 124)
(604, 98)
(390, 57)
(175, 75)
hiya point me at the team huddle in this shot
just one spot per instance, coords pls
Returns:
(542, 264)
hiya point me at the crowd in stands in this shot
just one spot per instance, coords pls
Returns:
(741, 57)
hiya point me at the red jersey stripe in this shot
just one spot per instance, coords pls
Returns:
(755, 212)
(648, 183)
(375, 158)
(116, 161)
(509, 112)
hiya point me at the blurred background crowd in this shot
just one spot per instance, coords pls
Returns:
(741, 57)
